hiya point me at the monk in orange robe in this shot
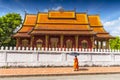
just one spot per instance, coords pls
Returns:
(76, 66)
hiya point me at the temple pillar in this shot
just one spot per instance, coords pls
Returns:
(104, 44)
(46, 40)
(17, 44)
(92, 42)
(76, 41)
(61, 41)
(101, 44)
(97, 44)
(107, 44)
(32, 40)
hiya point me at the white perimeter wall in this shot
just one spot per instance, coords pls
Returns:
(42, 58)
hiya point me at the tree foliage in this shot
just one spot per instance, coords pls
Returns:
(115, 43)
(8, 24)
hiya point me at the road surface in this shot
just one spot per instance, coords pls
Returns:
(75, 77)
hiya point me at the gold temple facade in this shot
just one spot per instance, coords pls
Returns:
(62, 29)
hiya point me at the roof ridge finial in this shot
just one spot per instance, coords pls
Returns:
(75, 9)
(25, 11)
(61, 9)
(48, 9)
(37, 9)
(86, 10)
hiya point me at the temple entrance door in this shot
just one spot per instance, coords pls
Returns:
(54, 42)
(39, 43)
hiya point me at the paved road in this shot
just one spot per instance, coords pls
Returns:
(77, 77)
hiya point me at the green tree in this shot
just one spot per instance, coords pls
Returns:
(8, 24)
(115, 43)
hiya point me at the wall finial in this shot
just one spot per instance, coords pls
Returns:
(75, 9)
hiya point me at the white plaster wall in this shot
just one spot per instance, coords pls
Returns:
(43, 57)
(69, 58)
(84, 57)
(101, 57)
(2, 57)
(19, 57)
(117, 57)
(34, 58)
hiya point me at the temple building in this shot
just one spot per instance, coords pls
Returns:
(62, 29)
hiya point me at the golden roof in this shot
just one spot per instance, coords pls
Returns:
(104, 35)
(61, 27)
(21, 35)
(26, 28)
(62, 22)
(94, 20)
(30, 19)
(99, 29)
(36, 32)
(79, 19)
(28, 25)
(61, 14)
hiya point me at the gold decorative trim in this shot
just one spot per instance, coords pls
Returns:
(18, 40)
(61, 40)
(46, 40)
(32, 40)
(76, 41)
(69, 43)
(93, 42)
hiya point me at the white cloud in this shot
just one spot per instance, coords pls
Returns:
(113, 27)
(54, 8)
(57, 8)
(115, 33)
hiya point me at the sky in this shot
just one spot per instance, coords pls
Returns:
(109, 10)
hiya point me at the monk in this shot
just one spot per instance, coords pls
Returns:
(76, 66)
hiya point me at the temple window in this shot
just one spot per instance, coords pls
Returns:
(54, 42)
(84, 44)
(25, 43)
(39, 43)
(69, 43)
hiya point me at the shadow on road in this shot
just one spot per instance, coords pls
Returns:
(83, 69)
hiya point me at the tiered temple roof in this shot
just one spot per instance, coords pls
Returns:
(28, 25)
(97, 27)
(62, 22)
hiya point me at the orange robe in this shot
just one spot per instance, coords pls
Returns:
(76, 67)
